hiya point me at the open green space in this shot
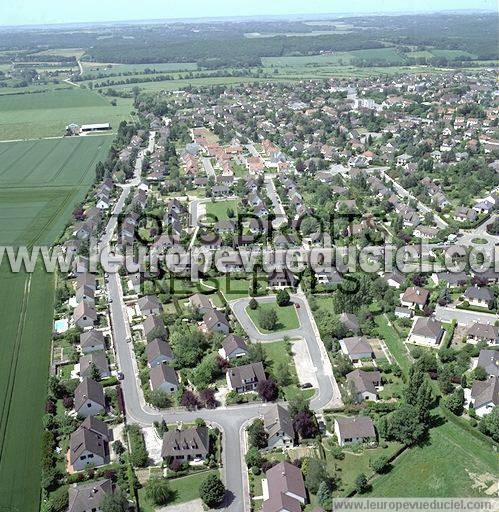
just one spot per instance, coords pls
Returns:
(287, 318)
(26, 308)
(184, 489)
(40, 183)
(46, 114)
(219, 209)
(394, 343)
(453, 463)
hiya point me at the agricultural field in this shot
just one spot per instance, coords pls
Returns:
(452, 463)
(40, 183)
(46, 114)
(92, 69)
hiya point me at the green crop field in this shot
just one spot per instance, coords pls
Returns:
(40, 183)
(453, 463)
(46, 114)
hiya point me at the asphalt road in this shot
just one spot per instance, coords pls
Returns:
(463, 317)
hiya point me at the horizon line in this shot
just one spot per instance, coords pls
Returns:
(206, 19)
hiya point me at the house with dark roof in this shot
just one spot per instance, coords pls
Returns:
(489, 361)
(233, 347)
(356, 348)
(149, 305)
(158, 351)
(164, 378)
(242, 379)
(278, 427)
(282, 279)
(89, 398)
(451, 279)
(87, 448)
(186, 445)
(485, 396)
(283, 489)
(426, 331)
(480, 296)
(201, 302)
(215, 321)
(364, 385)
(359, 429)
(88, 497)
(350, 322)
(92, 341)
(478, 332)
(154, 327)
(85, 314)
(97, 360)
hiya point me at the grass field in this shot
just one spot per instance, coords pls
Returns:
(395, 345)
(452, 464)
(184, 489)
(287, 318)
(40, 183)
(219, 209)
(46, 114)
(26, 308)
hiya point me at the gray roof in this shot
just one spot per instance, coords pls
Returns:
(91, 338)
(192, 441)
(85, 308)
(427, 327)
(350, 321)
(248, 372)
(478, 293)
(99, 359)
(95, 425)
(162, 373)
(91, 390)
(158, 347)
(364, 381)
(278, 419)
(484, 331)
(88, 496)
(283, 480)
(360, 426)
(416, 295)
(232, 342)
(153, 322)
(356, 345)
(199, 300)
(149, 302)
(489, 361)
(211, 318)
(485, 391)
(85, 440)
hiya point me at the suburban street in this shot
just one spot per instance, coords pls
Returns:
(280, 215)
(464, 317)
(208, 167)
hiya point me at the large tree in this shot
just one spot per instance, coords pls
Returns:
(158, 491)
(404, 425)
(212, 491)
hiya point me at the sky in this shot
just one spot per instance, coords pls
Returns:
(24, 12)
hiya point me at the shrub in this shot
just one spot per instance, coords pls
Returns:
(158, 491)
(212, 491)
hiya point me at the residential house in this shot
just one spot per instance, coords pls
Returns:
(282, 279)
(354, 430)
(426, 331)
(485, 396)
(97, 360)
(85, 314)
(489, 361)
(158, 351)
(89, 497)
(87, 448)
(278, 427)
(414, 296)
(479, 332)
(89, 398)
(350, 322)
(164, 378)
(480, 296)
(92, 341)
(186, 445)
(356, 348)
(364, 384)
(201, 302)
(150, 305)
(233, 347)
(283, 489)
(215, 321)
(154, 327)
(242, 379)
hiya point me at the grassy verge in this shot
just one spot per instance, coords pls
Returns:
(287, 319)
(395, 345)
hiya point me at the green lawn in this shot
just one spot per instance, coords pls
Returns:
(395, 345)
(452, 464)
(46, 114)
(355, 463)
(287, 318)
(219, 209)
(184, 489)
